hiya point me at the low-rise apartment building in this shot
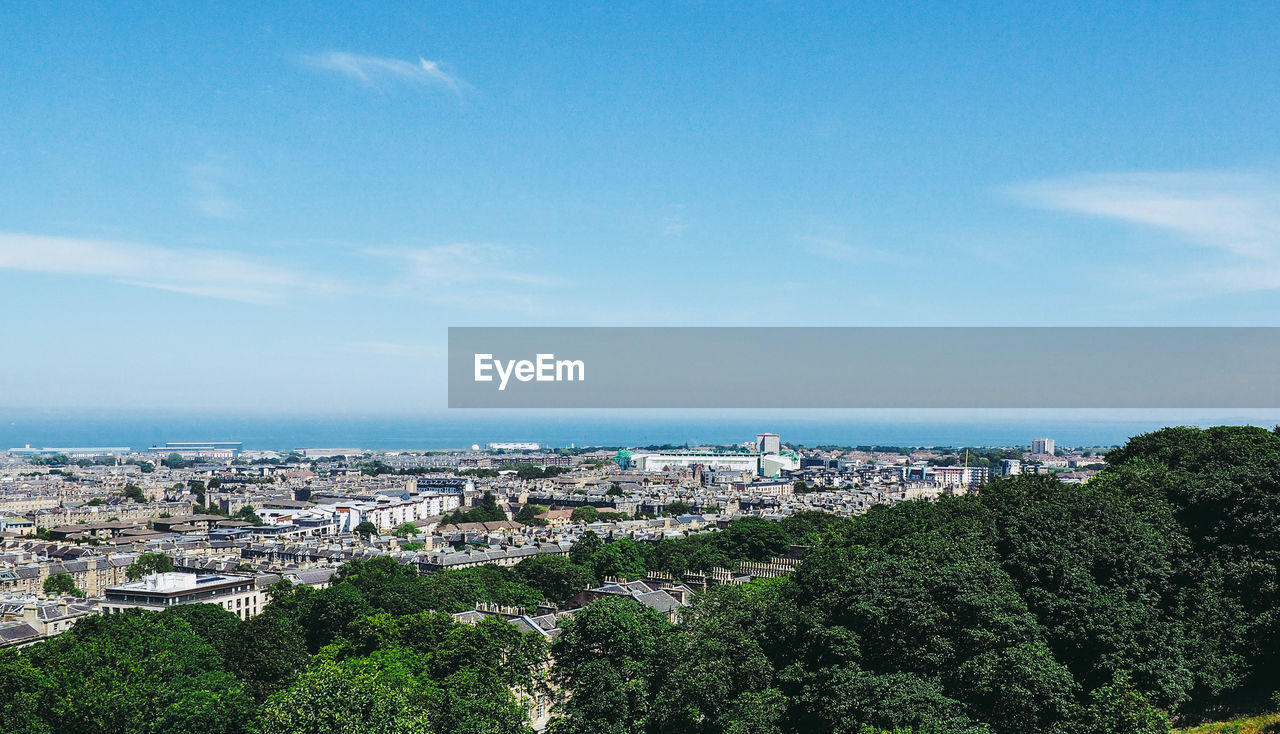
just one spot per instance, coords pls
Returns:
(159, 591)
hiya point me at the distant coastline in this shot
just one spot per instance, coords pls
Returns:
(437, 432)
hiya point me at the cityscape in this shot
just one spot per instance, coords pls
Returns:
(78, 524)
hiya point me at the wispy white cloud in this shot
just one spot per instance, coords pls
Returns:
(837, 250)
(482, 275)
(1234, 216)
(463, 263)
(209, 273)
(373, 70)
(208, 180)
(832, 249)
(1236, 212)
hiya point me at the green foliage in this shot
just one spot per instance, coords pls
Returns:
(607, 656)
(329, 611)
(134, 492)
(61, 584)
(247, 514)
(720, 676)
(528, 515)
(417, 672)
(586, 513)
(50, 460)
(620, 559)
(557, 578)
(95, 502)
(679, 507)
(27, 691)
(533, 471)
(1118, 708)
(366, 528)
(584, 548)
(375, 695)
(268, 650)
(210, 622)
(175, 461)
(137, 672)
(148, 563)
(406, 530)
(486, 511)
(398, 589)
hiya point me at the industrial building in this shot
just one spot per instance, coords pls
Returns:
(200, 449)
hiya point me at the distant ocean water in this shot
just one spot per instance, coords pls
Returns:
(444, 431)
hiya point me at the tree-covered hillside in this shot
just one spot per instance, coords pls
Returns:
(1146, 596)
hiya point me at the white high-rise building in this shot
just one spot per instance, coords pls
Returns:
(768, 443)
(1042, 446)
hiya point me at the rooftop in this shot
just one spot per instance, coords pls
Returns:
(174, 581)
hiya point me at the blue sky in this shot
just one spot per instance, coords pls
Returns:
(282, 209)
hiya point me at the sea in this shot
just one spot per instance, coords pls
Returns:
(463, 429)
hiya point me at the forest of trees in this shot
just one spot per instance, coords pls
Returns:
(1146, 596)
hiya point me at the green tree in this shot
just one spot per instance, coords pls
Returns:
(621, 559)
(26, 689)
(584, 548)
(489, 509)
(366, 528)
(679, 507)
(754, 538)
(330, 611)
(406, 529)
(175, 461)
(247, 514)
(377, 695)
(942, 611)
(585, 513)
(1097, 569)
(134, 492)
(528, 515)
(210, 622)
(138, 672)
(720, 676)
(1118, 708)
(388, 585)
(61, 584)
(556, 577)
(268, 650)
(606, 659)
(198, 488)
(149, 563)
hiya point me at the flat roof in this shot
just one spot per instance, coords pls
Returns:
(174, 582)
